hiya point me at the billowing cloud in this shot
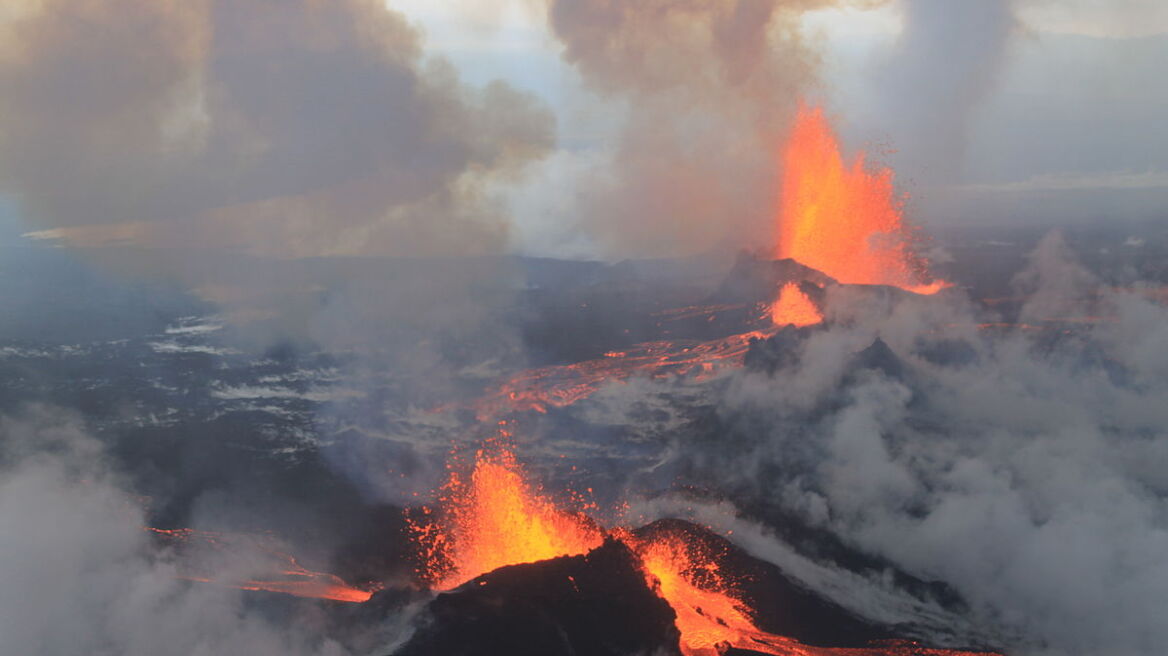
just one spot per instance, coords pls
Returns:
(1014, 467)
(946, 61)
(80, 575)
(709, 88)
(307, 129)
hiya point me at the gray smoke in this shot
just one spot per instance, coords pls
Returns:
(945, 63)
(1024, 469)
(709, 88)
(80, 576)
(286, 129)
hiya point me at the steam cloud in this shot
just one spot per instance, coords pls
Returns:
(927, 91)
(1021, 470)
(226, 134)
(709, 88)
(1027, 473)
(79, 575)
(289, 129)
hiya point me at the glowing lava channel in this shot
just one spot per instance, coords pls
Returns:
(710, 617)
(841, 218)
(496, 518)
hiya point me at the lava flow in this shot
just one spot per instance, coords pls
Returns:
(562, 385)
(709, 616)
(287, 575)
(496, 518)
(842, 219)
(500, 518)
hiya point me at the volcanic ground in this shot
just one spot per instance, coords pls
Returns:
(331, 471)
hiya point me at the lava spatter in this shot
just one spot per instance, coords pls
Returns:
(842, 218)
(793, 308)
(495, 516)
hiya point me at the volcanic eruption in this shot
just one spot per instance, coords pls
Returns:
(840, 217)
(494, 516)
(329, 328)
(793, 308)
(839, 224)
(500, 518)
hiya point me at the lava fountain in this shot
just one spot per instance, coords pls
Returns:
(793, 308)
(842, 218)
(495, 517)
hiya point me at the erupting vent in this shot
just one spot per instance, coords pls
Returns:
(498, 517)
(793, 308)
(495, 518)
(842, 219)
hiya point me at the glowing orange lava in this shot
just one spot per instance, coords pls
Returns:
(562, 385)
(710, 617)
(283, 573)
(792, 307)
(840, 218)
(496, 518)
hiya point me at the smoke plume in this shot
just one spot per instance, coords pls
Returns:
(709, 88)
(271, 128)
(1015, 467)
(945, 62)
(80, 575)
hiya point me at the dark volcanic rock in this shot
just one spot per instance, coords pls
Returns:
(879, 357)
(946, 352)
(754, 280)
(778, 351)
(592, 605)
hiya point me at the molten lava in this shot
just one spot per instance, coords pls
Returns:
(283, 573)
(562, 385)
(792, 307)
(710, 616)
(840, 218)
(496, 518)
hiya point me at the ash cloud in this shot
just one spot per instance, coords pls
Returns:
(267, 155)
(708, 88)
(271, 128)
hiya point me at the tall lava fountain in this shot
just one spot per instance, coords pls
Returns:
(841, 218)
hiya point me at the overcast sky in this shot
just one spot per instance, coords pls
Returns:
(1070, 126)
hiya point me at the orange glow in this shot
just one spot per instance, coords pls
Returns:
(794, 308)
(560, 386)
(840, 218)
(283, 573)
(496, 518)
(710, 617)
(500, 518)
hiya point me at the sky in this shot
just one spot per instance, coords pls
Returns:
(576, 129)
(1069, 128)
